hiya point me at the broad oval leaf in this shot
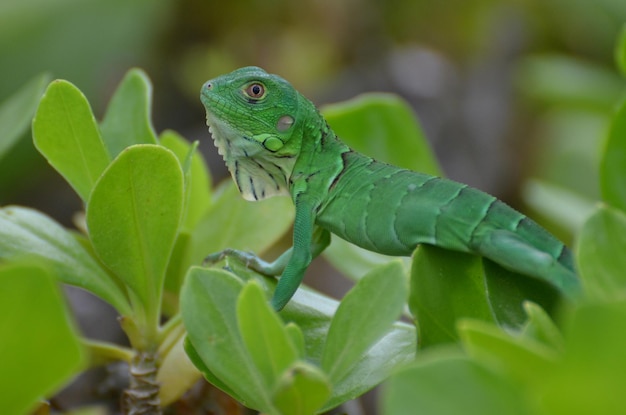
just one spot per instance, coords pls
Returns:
(26, 232)
(127, 118)
(66, 134)
(208, 307)
(133, 216)
(263, 334)
(33, 314)
(364, 315)
(600, 254)
(446, 285)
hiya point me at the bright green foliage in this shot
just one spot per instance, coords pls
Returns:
(39, 349)
(537, 369)
(148, 209)
(25, 232)
(447, 286)
(242, 346)
(263, 334)
(356, 324)
(66, 133)
(133, 216)
(127, 119)
(17, 110)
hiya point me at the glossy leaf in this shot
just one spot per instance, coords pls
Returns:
(127, 119)
(446, 285)
(233, 222)
(383, 126)
(613, 164)
(446, 384)
(17, 111)
(27, 233)
(40, 349)
(302, 390)
(263, 334)
(357, 324)
(208, 307)
(601, 262)
(133, 217)
(507, 291)
(394, 350)
(66, 134)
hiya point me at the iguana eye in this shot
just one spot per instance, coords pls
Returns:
(255, 91)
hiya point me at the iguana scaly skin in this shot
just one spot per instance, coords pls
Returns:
(275, 142)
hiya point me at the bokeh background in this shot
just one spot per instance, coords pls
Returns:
(514, 95)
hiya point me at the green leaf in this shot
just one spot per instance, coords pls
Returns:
(127, 119)
(27, 233)
(17, 111)
(521, 358)
(383, 126)
(447, 383)
(590, 380)
(507, 291)
(363, 317)
(394, 350)
(263, 334)
(600, 254)
(613, 164)
(302, 390)
(540, 327)
(197, 179)
(208, 307)
(620, 51)
(446, 285)
(232, 222)
(133, 216)
(40, 350)
(66, 134)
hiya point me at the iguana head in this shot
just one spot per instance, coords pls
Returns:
(253, 116)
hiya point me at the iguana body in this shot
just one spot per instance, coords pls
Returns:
(274, 141)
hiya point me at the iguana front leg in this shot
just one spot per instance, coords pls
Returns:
(308, 242)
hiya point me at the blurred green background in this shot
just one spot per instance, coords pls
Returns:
(506, 89)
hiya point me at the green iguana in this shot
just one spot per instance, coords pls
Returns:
(275, 142)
